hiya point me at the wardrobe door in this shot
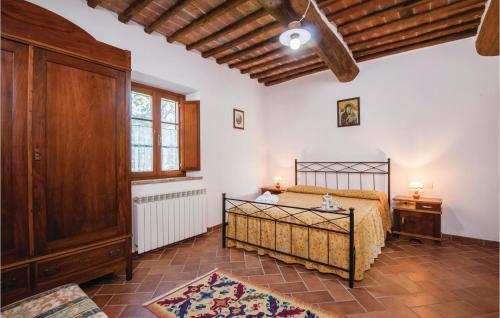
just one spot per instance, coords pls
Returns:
(80, 145)
(14, 158)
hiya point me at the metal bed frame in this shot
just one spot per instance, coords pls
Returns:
(232, 206)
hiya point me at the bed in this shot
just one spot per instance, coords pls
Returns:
(344, 242)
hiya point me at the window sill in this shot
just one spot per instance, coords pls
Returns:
(164, 180)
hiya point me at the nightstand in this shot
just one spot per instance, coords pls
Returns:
(273, 190)
(417, 218)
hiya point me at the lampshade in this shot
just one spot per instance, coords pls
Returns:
(295, 38)
(416, 186)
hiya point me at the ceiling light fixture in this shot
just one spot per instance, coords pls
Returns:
(296, 36)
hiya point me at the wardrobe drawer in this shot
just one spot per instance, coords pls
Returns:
(14, 282)
(52, 268)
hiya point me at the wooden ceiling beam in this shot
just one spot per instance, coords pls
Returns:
(292, 65)
(440, 40)
(487, 42)
(426, 37)
(244, 38)
(173, 10)
(93, 3)
(297, 75)
(419, 19)
(364, 8)
(216, 12)
(259, 58)
(228, 29)
(288, 73)
(455, 20)
(326, 44)
(249, 50)
(133, 9)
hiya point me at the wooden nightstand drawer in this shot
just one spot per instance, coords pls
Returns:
(416, 223)
(428, 206)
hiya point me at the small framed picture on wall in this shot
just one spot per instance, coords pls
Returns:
(348, 112)
(238, 119)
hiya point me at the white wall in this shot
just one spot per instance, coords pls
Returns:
(231, 159)
(434, 112)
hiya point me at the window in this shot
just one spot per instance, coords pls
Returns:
(155, 132)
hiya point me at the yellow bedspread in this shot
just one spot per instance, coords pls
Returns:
(371, 218)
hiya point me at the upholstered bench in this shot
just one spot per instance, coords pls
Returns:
(67, 301)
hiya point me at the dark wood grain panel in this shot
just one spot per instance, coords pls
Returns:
(76, 127)
(14, 192)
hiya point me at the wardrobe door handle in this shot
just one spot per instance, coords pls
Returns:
(115, 252)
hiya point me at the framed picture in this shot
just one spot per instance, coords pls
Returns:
(348, 112)
(238, 119)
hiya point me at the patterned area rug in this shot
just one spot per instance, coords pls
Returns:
(218, 294)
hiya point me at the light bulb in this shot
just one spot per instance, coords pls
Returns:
(295, 44)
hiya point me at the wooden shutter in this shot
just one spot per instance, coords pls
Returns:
(190, 136)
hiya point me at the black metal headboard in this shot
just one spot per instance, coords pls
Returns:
(345, 173)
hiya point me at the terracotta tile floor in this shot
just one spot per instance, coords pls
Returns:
(407, 280)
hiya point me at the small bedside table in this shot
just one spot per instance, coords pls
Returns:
(273, 190)
(417, 218)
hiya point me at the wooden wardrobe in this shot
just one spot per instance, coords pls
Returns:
(65, 188)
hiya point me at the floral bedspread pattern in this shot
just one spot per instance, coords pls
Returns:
(220, 295)
(67, 301)
(372, 221)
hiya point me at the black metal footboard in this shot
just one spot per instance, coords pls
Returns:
(232, 207)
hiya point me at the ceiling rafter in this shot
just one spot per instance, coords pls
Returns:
(133, 9)
(403, 9)
(425, 37)
(169, 13)
(418, 19)
(249, 50)
(216, 12)
(228, 29)
(276, 61)
(440, 40)
(364, 7)
(289, 65)
(242, 39)
(297, 75)
(291, 72)
(258, 58)
(419, 30)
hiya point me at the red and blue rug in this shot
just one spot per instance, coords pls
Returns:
(220, 295)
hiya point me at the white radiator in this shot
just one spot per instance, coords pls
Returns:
(163, 219)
